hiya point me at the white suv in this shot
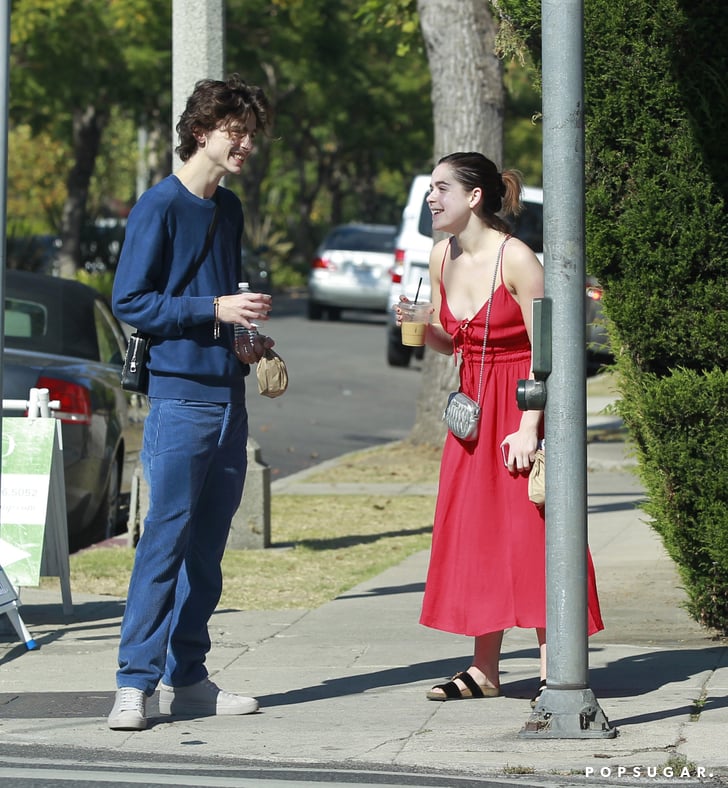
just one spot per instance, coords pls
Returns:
(412, 248)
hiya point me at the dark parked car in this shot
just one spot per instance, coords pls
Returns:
(61, 335)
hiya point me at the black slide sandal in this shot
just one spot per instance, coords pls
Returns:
(451, 691)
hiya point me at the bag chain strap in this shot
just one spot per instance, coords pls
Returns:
(498, 264)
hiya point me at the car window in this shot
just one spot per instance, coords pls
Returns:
(425, 223)
(50, 321)
(361, 240)
(528, 225)
(112, 345)
(24, 319)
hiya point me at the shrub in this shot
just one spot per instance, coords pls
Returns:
(657, 238)
(679, 423)
(656, 89)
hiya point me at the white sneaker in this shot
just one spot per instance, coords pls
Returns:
(204, 699)
(130, 710)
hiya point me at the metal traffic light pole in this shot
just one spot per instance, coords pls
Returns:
(567, 708)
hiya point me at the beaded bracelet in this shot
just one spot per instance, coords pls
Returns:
(216, 306)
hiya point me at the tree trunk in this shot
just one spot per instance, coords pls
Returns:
(467, 100)
(87, 128)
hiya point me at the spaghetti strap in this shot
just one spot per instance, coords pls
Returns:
(503, 248)
(442, 264)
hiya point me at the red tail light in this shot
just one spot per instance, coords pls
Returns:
(594, 292)
(398, 268)
(75, 399)
(323, 262)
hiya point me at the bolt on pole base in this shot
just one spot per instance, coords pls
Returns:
(568, 714)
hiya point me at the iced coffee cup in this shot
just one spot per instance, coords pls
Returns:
(415, 318)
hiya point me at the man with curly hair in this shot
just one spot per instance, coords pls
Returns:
(194, 449)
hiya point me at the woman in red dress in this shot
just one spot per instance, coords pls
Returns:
(487, 565)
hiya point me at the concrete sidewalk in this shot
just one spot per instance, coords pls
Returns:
(343, 685)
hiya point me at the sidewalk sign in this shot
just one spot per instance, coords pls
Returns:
(33, 522)
(9, 606)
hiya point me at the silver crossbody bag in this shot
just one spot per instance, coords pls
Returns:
(462, 414)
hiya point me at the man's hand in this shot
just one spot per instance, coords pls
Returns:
(244, 308)
(261, 343)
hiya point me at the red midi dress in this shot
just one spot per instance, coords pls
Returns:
(487, 563)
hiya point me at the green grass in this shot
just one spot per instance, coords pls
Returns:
(321, 545)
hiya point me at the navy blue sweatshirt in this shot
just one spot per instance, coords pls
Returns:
(165, 233)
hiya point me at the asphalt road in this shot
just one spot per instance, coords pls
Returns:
(63, 767)
(342, 395)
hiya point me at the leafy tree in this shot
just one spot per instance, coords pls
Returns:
(522, 143)
(113, 185)
(71, 62)
(36, 171)
(349, 81)
(353, 120)
(350, 131)
(656, 80)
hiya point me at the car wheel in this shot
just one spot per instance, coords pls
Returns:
(314, 311)
(596, 363)
(397, 354)
(107, 518)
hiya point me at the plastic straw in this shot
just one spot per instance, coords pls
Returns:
(418, 289)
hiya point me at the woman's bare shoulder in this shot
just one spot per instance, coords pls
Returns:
(518, 251)
(522, 270)
(441, 246)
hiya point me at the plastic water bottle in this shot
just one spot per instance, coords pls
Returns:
(244, 336)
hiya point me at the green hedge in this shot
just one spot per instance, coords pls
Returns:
(657, 228)
(656, 90)
(679, 423)
(657, 238)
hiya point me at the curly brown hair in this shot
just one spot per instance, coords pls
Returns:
(214, 103)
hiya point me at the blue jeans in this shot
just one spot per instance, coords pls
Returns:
(194, 459)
